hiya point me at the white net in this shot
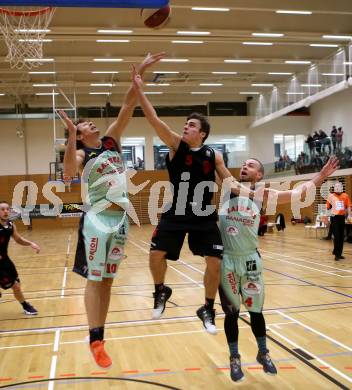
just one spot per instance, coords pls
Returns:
(24, 32)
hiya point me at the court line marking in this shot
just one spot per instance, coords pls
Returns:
(74, 289)
(52, 372)
(333, 368)
(289, 276)
(117, 324)
(271, 258)
(26, 346)
(314, 330)
(56, 341)
(64, 283)
(82, 341)
(170, 266)
(321, 361)
(307, 261)
(307, 282)
(68, 245)
(182, 262)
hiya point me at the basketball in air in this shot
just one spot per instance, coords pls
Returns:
(156, 18)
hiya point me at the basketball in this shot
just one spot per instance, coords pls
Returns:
(156, 18)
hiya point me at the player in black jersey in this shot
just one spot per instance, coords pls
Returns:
(192, 167)
(103, 228)
(8, 273)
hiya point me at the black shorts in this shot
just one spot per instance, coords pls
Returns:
(8, 273)
(202, 243)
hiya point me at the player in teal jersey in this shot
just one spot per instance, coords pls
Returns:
(241, 267)
(104, 225)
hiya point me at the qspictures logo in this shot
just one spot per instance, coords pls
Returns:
(114, 188)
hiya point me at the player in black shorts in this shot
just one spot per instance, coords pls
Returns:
(192, 167)
(8, 273)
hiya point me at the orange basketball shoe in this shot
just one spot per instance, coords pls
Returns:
(102, 359)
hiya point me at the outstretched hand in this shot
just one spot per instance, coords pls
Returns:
(35, 247)
(150, 60)
(330, 167)
(72, 129)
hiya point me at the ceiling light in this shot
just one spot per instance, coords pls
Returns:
(323, 45)
(224, 72)
(201, 93)
(39, 59)
(333, 74)
(342, 37)
(108, 59)
(193, 32)
(113, 40)
(214, 9)
(165, 72)
(280, 73)
(44, 85)
(99, 93)
(294, 93)
(31, 30)
(115, 31)
(286, 11)
(157, 84)
(311, 85)
(298, 62)
(271, 35)
(262, 85)
(2, 94)
(238, 61)
(46, 93)
(174, 60)
(102, 85)
(250, 93)
(104, 72)
(211, 84)
(153, 93)
(347, 63)
(42, 72)
(191, 42)
(257, 43)
(34, 40)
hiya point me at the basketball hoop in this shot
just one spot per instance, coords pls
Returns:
(24, 30)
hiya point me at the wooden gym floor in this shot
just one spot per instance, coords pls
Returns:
(308, 312)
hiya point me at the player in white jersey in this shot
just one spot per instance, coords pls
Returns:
(241, 267)
(103, 228)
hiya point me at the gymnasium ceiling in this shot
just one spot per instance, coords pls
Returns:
(74, 46)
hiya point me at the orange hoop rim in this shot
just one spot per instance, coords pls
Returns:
(41, 11)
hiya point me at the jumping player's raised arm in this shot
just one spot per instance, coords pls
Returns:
(302, 190)
(169, 137)
(73, 158)
(118, 126)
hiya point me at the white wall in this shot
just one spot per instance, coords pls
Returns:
(334, 110)
(261, 138)
(12, 151)
(39, 136)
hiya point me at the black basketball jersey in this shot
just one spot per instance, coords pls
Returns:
(107, 143)
(6, 232)
(193, 167)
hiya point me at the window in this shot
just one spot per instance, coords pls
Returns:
(290, 145)
(160, 153)
(133, 152)
(234, 150)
